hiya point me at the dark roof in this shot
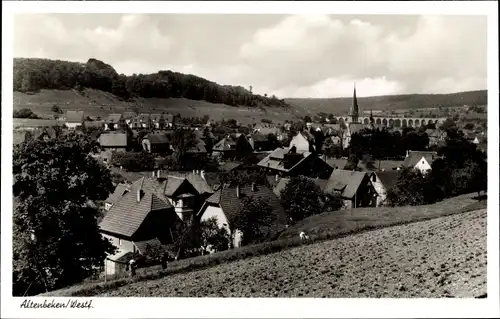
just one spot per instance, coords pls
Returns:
(157, 138)
(212, 178)
(127, 214)
(388, 178)
(415, 156)
(114, 118)
(226, 144)
(229, 166)
(345, 182)
(113, 139)
(174, 182)
(197, 148)
(230, 204)
(74, 116)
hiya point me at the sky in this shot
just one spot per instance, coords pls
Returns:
(317, 56)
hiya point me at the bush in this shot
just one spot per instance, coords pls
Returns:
(133, 161)
(25, 114)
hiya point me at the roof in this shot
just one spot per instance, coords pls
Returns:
(157, 138)
(119, 191)
(74, 116)
(50, 131)
(197, 148)
(415, 156)
(230, 204)
(174, 182)
(114, 118)
(229, 166)
(121, 256)
(18, 137)
(155, 117)
(345, 182)
(129, 115)
(127, 214)
(226, 144)
(113, 139)
(336, 162)
(388, 178)
(275, 160)
(142, 246)
(266, 130)
(169, 118)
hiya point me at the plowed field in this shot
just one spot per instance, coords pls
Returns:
(443, 257)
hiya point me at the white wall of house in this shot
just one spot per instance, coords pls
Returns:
(73, 126)
(217, 212)
(423, 166)
(380, 189)
(300, 142)
(121, 244)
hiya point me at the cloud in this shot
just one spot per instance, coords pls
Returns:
(289, 56)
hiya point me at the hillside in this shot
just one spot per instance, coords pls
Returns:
(424, 260)
(389, 102)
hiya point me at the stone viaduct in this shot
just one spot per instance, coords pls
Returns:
(395, 121)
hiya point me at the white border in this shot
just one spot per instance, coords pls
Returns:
(253, 308)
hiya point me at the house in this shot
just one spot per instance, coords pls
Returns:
(141, 214)
(141, 121)
(113, 141)
(382, 181)
(114, 122)
(290, 162)
(355, 188)
(128, 117)
(45, 133)
(435, 136)
(74, 119)
(421, 160)
(303, 141)
(266, 128)
(187, 193)
(169, 120)
(226, 202)
(231, 145)
(156, 143)
(351, 129)
(331, 130)
(259, 142)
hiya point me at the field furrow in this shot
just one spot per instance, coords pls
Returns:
(443, 257)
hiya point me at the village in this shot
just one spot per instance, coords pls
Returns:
(168, 171)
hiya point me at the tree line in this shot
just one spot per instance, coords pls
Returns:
(31, 75)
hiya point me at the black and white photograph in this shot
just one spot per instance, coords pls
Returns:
(285, 155)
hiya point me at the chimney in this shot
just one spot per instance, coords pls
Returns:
(158, 176)
(407, 153)
(202, 174)
(138, 195)
(194, 171)
(253, 187)
(153, 174)
(277, 177)
(237, 191)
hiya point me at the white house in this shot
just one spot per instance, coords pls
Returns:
(303, 141)
(420, 160)
(74, 119)
(225, 203)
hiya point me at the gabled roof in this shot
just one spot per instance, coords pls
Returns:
(197, 148)
(127, 214)
(113, 139)
(50, 131)
(275, 160)
(230, 204)
(174, 182)
(388, 178)
(114, 118)
(226, 144)
(157, 138)
(143, 117)
(74, 116)
(129, 115)
(345, 182)
(415, 156)
(169, 118)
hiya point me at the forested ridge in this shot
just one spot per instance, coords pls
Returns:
(31, 75)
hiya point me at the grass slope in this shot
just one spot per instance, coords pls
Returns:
(444, 257)
(99, 103)
(341, 224)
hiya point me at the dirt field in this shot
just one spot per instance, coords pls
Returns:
(443, 257)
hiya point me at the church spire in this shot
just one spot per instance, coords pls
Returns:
(371, 117)
(354, 108)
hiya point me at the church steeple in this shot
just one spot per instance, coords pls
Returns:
(354, 113)
(372, 120)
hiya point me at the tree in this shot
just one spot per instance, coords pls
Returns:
(301, 198)
(57, 239)
(253, 218)
(182, 141)
(409, 189)
(447, 124)
(56, 109)
(212, 236)
(307, 119)
(25, 114)
(352, 163)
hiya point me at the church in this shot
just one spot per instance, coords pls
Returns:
(354, 125)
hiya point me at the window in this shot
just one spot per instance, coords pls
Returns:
(423, 162)
(374, 178)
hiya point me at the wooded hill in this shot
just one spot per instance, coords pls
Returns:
(32, 75)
